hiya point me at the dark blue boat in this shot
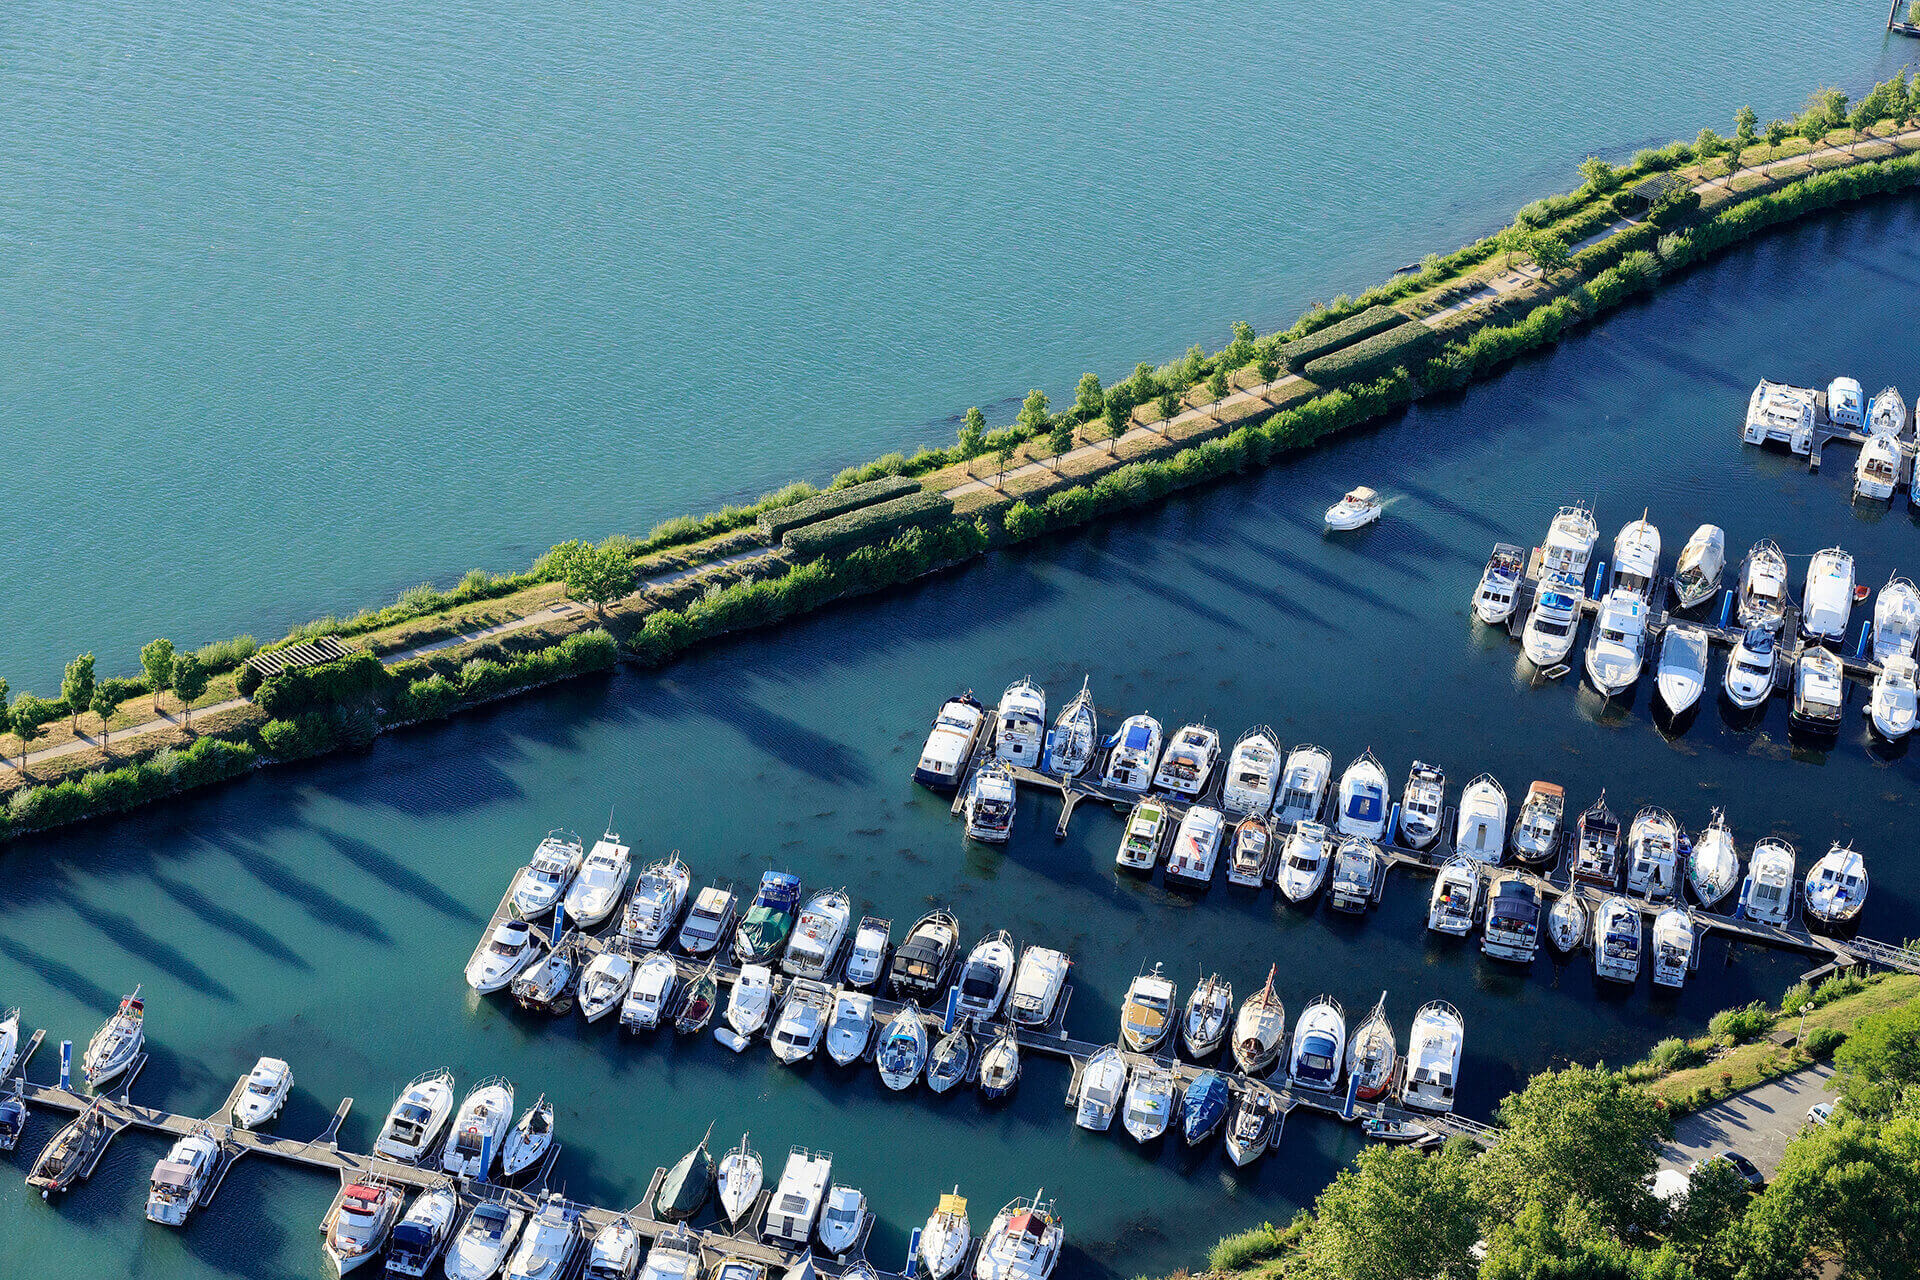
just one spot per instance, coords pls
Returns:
(1205, 1106)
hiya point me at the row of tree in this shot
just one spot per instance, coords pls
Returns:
(81, 692)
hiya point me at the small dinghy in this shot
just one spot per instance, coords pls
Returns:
(1713, 868)
(1075, 735)
(1421, 803)
(1672, 947)
(1766, 895)
(1499, 587)
(1103, 1081)
(1151, 1095)
(850, 1029)
(1372, 1054)
(903, 1049)
(1203, 1106)
(1893, 703)
(1681, 675)
(604, 984)
(1253, 1125)
(1209, 1014)
(1567, 924)
(740, 1179)
(1836, 887)
(1360, 507)
(701, 998)
(1896, 620)
(1000, 1067)
(1259, 1028)
(950, 1060)
(530, 1140)
(1536, 834)
(1696, 577)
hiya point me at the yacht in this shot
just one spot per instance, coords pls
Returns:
(709, 920)
(181, 1176)
(739, 1180)
(499, 959)
(675, 1255)
(1696, 576)
(1140, 846)
(1319, 1045)
(596, 891)
(843, 1222)
(481, 1245)
(9, 1041)
(1358, 869)
(949, 1060)
(1819, 691)
(985, 977)
(1248, 855)
(872, 944)
(265, 1094)
(1887, 415)
(850, 1029)
(1303, 862)
(1253, 772)
(1536, 833)
(1681, 676)
(1893, 701)
(1152, 1095)
(923, 962)
(750, 1002)
(1766, 895)
(762, 932)
(1133, 753)
(817, 935)
(1616, 941)
(1653, 854)
(1568, 548)
(1303, 785)
(1877, 470)
(358, 1224)
(1361, 506)
(1713, 868)
(530, 1140)
(1146, 1015)
(551, 1243)
(604, 983)
(1896, 620)
(1847, 403)
(1567, 924)
(1553, 623)
(1433, 1057)
(541, 883)
(1075, 736)
(903, 1049)
(418, 1117)
(947, 1238)
(1512, 927)
(1203, 1105)
(1763, 587)
(1829, 596)
(1636, 558)
(950, 742)
(419, 1237)
(1750, 669)
(1596, 856)
(1493, 599)
(479, 1129)
(1253, 1125)
(616, 1252)
(1455, 903)
(1258, 1029)
(1209, 1014)
(1024, 1243)
(1836, 887)
(803, 1021)
(654, 908)
(1196, 846)
(991, 797)
(1021, 725)
(656, 980)
(1778, 412)
(1363, 799)
(1617, 646)
(1672, 947)
(116, 1044)
(1000, 1067)
(1188, 762)
(1422, 805)
(1482, 830)
(684, 1190)
(547, 984)
(698, 1001)
(797, 1197)
(1372, 1054)
(1037, 985)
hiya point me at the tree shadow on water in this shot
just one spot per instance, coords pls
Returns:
(389, 871)
(229, 922)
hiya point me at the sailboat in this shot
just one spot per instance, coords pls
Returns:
(1372, 1054)
(741, 1177)
(687, 1184)
(1258, 1029)
(1075, 734)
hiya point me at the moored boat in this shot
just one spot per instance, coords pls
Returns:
(418, 1117)
(180, 1178)
(1000, 1067)
(739, 1179)
(1422, 805)
(1567, 923)
(1596, 855)
(1103, 1082)
(1696, 575)
(872, 944)
(1680, 676)
(654, 908)
(1568, 548)
(688, 1183)
(1782, 413)
(1303, 862)
(1203, 1105)
(818, 934)
(1024, 1242)
(1481, 833)
(1553, 624)
(802, 1023)
(551, 1244)
(1253, 1125)
(1358, 869)
(479, 1128)
(1152, 1095)
(1653, 853)
(750, 1003)
(1253, 772)
(1037, 986)
(1209, 1014)
(1617, 646)
(486, 1235)
(1847, 403)
(596, 890)
(1433, 1057)
(1303, 785)
(709, 920)
(1636, 558)
(1766, 894)
(1132, 753)
(423, 1232)
(1749, 678)
(1877, 470)
(1363, 799)
(762, 932)
(1512, 928)
(698, 1002)
(1258, 1029)
(548, 983)
(1763, 587)
(116, 1044)
(950, 742)
(357, 1225)
(1616, 941)
(531, 1139)
(1075, 735)
(69, 1157)
(1819, 692)
(985, 977)
(1146, 1015)
(1250, 851)
(604, 983)
(650, 993)
(499, 959)
(990, 804)
(1455, 902)
(1892, 706)
(1887, 414)
(1140, 843)
(1319, 1045)
(1829, 596)
(925, 957)
(538, 887)
(1021, 724)
(850, 1029)
(1188, 763)
(903, 1049)
(947, 1237)
(1536, 832)
(1673, 943)
(949, 1060)
(1896, 620)
(615, 1253)
(1713, 867)
(1836, 887)
(265, 1095)
(1372, 1054)
(1499, 587)
(1196, 846)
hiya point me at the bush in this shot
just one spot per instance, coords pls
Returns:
(1295, 355)
(867, 524)
(300, 738)
(1840, 984)
(225, 655)
(1796, 995)
(832, 503)
(111, 790)
(1673, 1055)
(1403, 345)
(1743, 1024)
(1822, 1041)
(1597, 257)
(1235, 1252)
(248, 681)
(354, 678)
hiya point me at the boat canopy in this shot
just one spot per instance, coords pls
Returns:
(1138, 737)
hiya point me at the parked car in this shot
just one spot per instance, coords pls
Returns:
(1741, 1165)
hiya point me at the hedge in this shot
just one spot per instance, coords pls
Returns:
(112, 790)
(1402, 345)
(1597, 257)
(354, 678)
(867, 524)
(1296, 354)
(833, 502)
(479, 679)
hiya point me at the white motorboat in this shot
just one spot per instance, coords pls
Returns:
(1021, 724)
(1481, 833)
(1750, 669)
(1653, 854)
(479, 1129)
(1763, 587)
(1567, 924)
(265, 1095)
(1358, 869)
(1455, 902)
(1493, 599)
(656, 980)
(1433, 1057)
(616, 1252)
(1568, 548)
(1037, 985)
(1363, 799)
(795, 1205)
(9, 1041)
(741, 1176)
(604, 983)
(1636, 558)
(596, 891)
(531, 1139)
(359, 1222)
(1146, 1015)
(1681, 676)
(991, 798)
(1696, 575)
(1616, 941)
(550, 1244)
(1819, 691)
(751, 1000)
(985, 977)
(1847, 403)
(423, 1232)
(1152, 1094)
(1836, 887)
(1253, 1125)
(1303, 862)
(655, 905)
(1251, 848)
(867, 960)
(1672, 947)
(1422, 803)
(903, 1049)
(1319, 1045)
(1188, 761)
(1140, 845)
(1617, 646)
(1713, 868)
(850, 1029)
(1132, 754)
(499, 960)
(1196, 845)
(1887, 415)
(1896, 620)
(419, 1116)
(1766, 894)
(1253, 772)
(181, 1176)
(1877, 470)
(1209, 1014)
(709, 920)
(1511, 930)
(946, 1239)
(1102, 1082)
(1258, 1029)
(1553, 623)
(676, 1255)
(116, 1044)
(1361, 506)
(1779, 413)
(843, 1221)
(481, 1246)
(1075, 737)
(999, 1067)
(802, 1023)
(818, 935)
(1829, 596)
(542, 882)
(1596, 853)
(1894, 698)
(950, 742)
(1536, 832)
(1303, 785)
(1024, 1242)
(1372, 1054)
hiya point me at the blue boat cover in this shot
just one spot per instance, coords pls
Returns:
(1138, 737)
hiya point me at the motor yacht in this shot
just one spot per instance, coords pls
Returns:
(1196, 846)
(1258, 1030)
(1617, 646)
(1779, 413)
(1553, 622)
(1819, 691)
(762, 932)
(684, 1190)
(1140, 845)
(985, 977)
(1152, 1095)
(1763, 598)
(1847, 403)
(418, 1118)
(1303, 785)
(1696, 576)
(1249, 852)
(1361, 506)
(1303, 862)
(740, 1177)
(1567, 924)
(500, 958)
(596, 891)
(818, 934)
(1750, 670)
(1893, 703)
(181, 1177)
(1203, 1105)
(1146, 1015)
(544, 880)
(1713, 868)
(1024, 1242)
(1433, 1057)
(1253, 1125)
(872, 944)
(604, 983)
(802, 1023)
(479, 1129)
(1836, 887)
(1422, 805)
(1455, 902)
(1037, 986)
(950, 742)
(949, 1060)
(1596, 855)
(990, 803)
(1000, 1067)
(1188, 762)
(843, 1221)
(850, 1029)
(1363, 799)
(1253, 772)
(946, 1239)
(359, 1222)
(1319, 1045)
(656, 980)
(1616, 941)
(1636, 558)
(1372, 1054)
(1877, 470)
(1896, 620)
(485, 1238)
(1766, 894)
(1481, 833)
(423, 1232)
(676, 1255)
(1358, 870)
(796, 1201)
(709, 920)
(1829, 597)
(1681, 675)
(925, 959)
(1654, 847)
(750, 1002)
(1568, 548)
(1021, 724)
(1499, 587)
(531, 1139)
(1075, 737)
(616, 1252)
(1672, 947)
(116, 1044)
(551, 1243)
(1536, 833)
(1887, 414)
(265, 1095)
(1132, 753)
(654, 908)
(1209, 1014)
(903, 1049)
(1512, 927)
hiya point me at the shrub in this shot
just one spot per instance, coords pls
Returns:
(1822, 1041)
(1673, 1055)
(225, 655)
(248, 681)
(1796, 995)
(1597, 257)
(1840, 984)
(1402, 345)
(302, 737)
(1022, 522)
(356, 677)
(833, 502)
(1297, 353)
(1742, 1024)
(1235, 1252)
(867, 524)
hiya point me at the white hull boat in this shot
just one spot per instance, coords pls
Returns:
(1819, 691)
(1196, 846)
(1356, 877)
(1303, 862)
(751, 1000)
(1511, 930)
(1636, 558)
(872, 944)
(1653, 854)
(1455, 903)
(268, 1086)
(1037, 985)
(116, 1044)
(1847, 403)
(1836, 888)
(1146, 1015)
(1536, 832)
(1024, 1243)
(1360, 507)
(1750, 675)
(850, 1029)
(1188, 762)
(418, 1118)
(1499, 588)
(1363, 800)
(903, 1049)
(1877, 470)
(604, 984)
(1319, 1046)
(1672, 947)
(1763, 587)
(1887, 415)
(1422, 805)
(1617, 647)
(1075, 736)
(180, 1178)
(946, 1239)
(1896, 620)
(481, 1245)
(950, 742)
(358, 1224)
(479, 1129)
(1553, 624)
(1140, 845)
(802, 1023)
(1372, 1054)
(1132, 754)
(655, 905)
(1249, 853)
(1253, 772)
(1567, 924)
(419, 1237)
(1766, 895)
(1893, 703)
(656, 980)
(1481, 833)
(1682, 673)
(1151, 1095)
(740, 1178)
(1209, 1014)
(1713, 868)
(1568, 548)
(1103, 1082)
(1696, 575)
(1616, 941)
(531, 1139)
(990, 804)
(818, 935)
(1829, 596)
(1433, 1057)
(1778, 413)
(1021, 724)
(596, 891)
(499, 960)
(541, 883)
(1303, 785)
(1258, 1030)
(985, 977)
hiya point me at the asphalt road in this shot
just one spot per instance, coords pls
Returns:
(1758, 1123)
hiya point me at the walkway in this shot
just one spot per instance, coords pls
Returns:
(1758, 1123)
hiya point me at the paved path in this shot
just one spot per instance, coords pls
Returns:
(1758, 1123)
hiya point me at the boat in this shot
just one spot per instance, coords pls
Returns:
(1877, 470)
(418, 1117)
(1024, 1242)
(818, 934)
(1829, 596)
(1777, 412)
(481, 1245)
(675, 1255)
(1568, 548)
(479, 1129)
(687, 1184)
(1713, 865)
(1248, 854)
(656, 980)
(850, 1029)
(1896, 620)
(1361, 506)
(1000, 1067)
(1020, 724)
(762, 932)
(1766, 894)
(1455, 903)
(950, 742)
(1363, 799)
(1499, 587)
(1763, 587)
(1696, 575)
(750, 1003)
(1617, 645)
(802, 1023)
(1303, 785)
(843, 1221)
(1037, 985)
(616, 1252)
(604, 984)
(1512, 927)
(181, 1177)
(1254, 1124)
(1836, 887)
(1653, 854)
(1383, 1130)
(872, 944)
(1258, 1029)
(116, 1044)
(1596, 854)
(925, 959)
(1819, 691)
(1887, 415)
(1188, 762)
(949, 1060)
(542, 882)
(1636, 558)
(1146, 1015)
(1102, 1081)
(1893, 703)
(709, 920)
(67, 1159)
(357, 1225)
(423, 1232)
(596, 891)
(499, 960)
(1152, 1094)
(1536, 833)
(551, 1243)
(1847, 403)
(739, 1179)
(1132, 753)
(1253, 772)
(985, 977)
(9, 1041)
(1481, 833)
(654, 908)
(1359, 869)
(1319, 1045)
(1681, 676)
(990, 803)
(735, 1267)
(1672, 947)
(903, 1049)
(1196, 846)
(1433, 1057)
(1750, 669)
(1075, 737)
(946, 1239)
(1303, 862)
(1422, 805)
(531, 1139)
(1372, 1054)
(547, 984)
(1140, 845)
(698, 1002)
(265, 1095)
(1553, 624)
(1567, 924)
(1209, 1014)
(1616, 941)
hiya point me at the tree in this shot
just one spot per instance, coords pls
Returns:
(1582, 1132)
(1239, 352)
(156, 659)
(973, 435)
(1550, 252)
(189, 682)
(1060, 438)
(597, 574)
(1169, 406)
(1600, 176)
(1269, 361)
(1394, 1214)
(1512, 240)
(1736, 150)
(6, 713)
(1880, 1060)
(102, 706)
(1746, 127)
(1143, 385)
(1716, 1195)
(1002, 455)
(29, 713)
(1088, 398)
(1117, 420)
(1778, 131)
(77, 687)
(1851, 1189)
(1033, 413)
(1217, 385)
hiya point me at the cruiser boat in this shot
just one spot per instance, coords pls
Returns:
(1303, 785)
(1569, 545)
(1075, 736)
(740, 1179)
(501, 957)
(817, 935)
(1254, 1124)
(949, 1060)
(985, 977)
(675, 1255)
(1024, 1243)
(1433, 1057)
(1357, 870)
(9, 1041)
(1303, 862)
(1253, 772)
(1596, 857)
(850, 1029)
(265, 1095)
(843, 1221)
(1617, 646)
(1713, 868)
(1482, 831)
(1000, 1067)
(547, 984)
(483, 1241)
(1363, 800)
(1653, 854)
(1037, 985)
(1189, 761)
(1616, 941)
(655, 905)
(1567, 924)
(1836, 887)
(68, 1158)
(872, 943)
(181, 1177)
(1696, 576)
(1203, 1105)
(949, 745)
(1140, 846)
(1636, 558)
(1829, 598)
(1319, 1044)
(762, 932)
(1877, 470)
(419, 1237)
(1847, 403)
(596, 891)
(1766, 895)
(550, 1244)
(1536, 834)
(710, 919)
(615, 1254)
(1749, 678)
(991, 797)
(1887, 415)
(1778, 412)
(1146, 1015)
(1372, 1054)
(1258, 1029)
(803, 1021)
(1763, 587)
(530, 1140)
(1102, 1082)
(656, 980)
(1247, 859)
(418, 1117)
(793, 1209)
(359, 1223)
(1209, 1013)
(479, 1128)
(688, 1183)
(903, 1049)
(946, 1238)
(1456, 898)
(1896, 620)
(1152, 1093)
(1361, 506)
(1672, 947)
(1892, 704)
(604, 984)
(542, 882)
(1196, 846)
(1681, 676)
(116, 1044)
(1421, 805)
(923, 962)
(1021, 725)
(751, 1001)
(1819, 690)
(1134, 751)
(1553, 623)
(1499, 585)
(1512, 928)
